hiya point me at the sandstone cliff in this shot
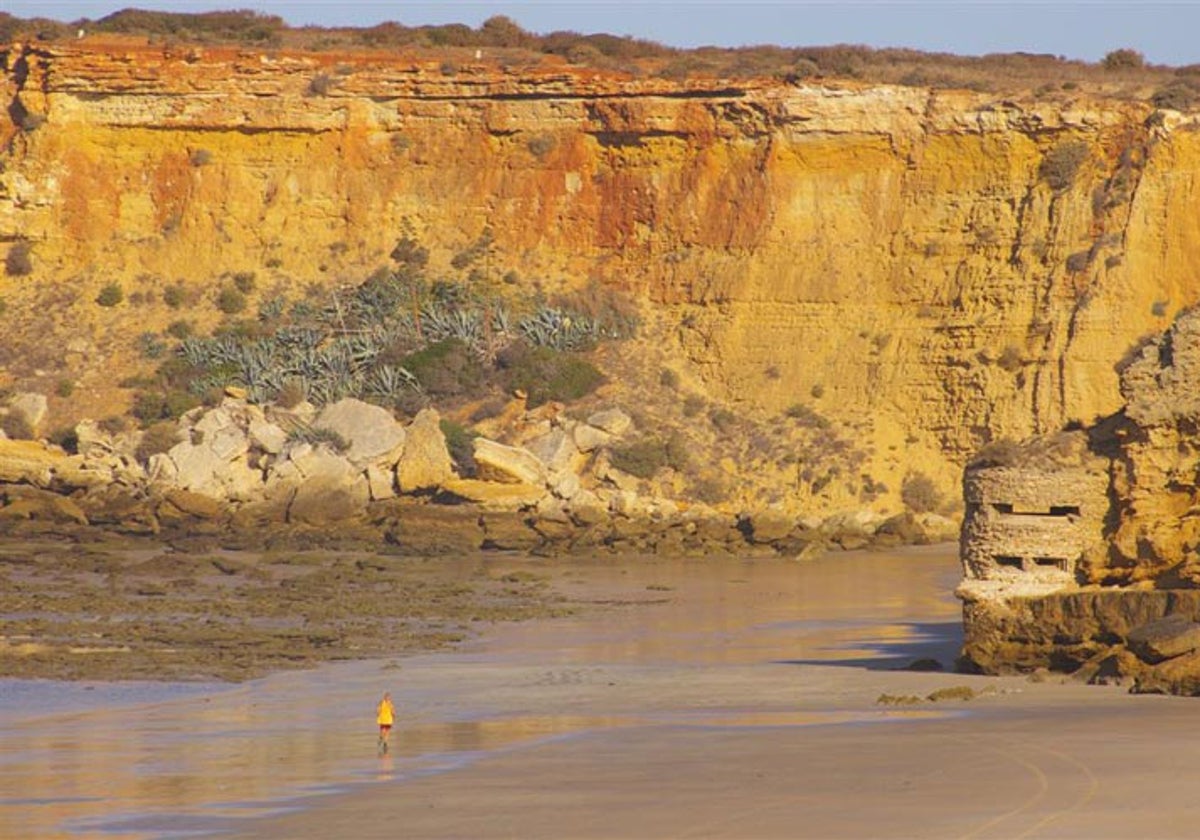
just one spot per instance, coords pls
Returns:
(940, 268)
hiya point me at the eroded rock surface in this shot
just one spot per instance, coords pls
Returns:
(1085, 546)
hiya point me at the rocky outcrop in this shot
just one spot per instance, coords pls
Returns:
(260, 475)
(1085, 546)
(425, 463)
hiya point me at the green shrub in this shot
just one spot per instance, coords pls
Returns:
(113, 425)
(461, 443)
(1061, 164)
(244, 282)
(642, 458)
(1176, 96)
(410, 254)
(692, 405)
(320, 85)
(723, 420)
(159, 437)
(1079, 261)
(668, 379)
(645, 457)
(151, 346)
(292, 393)
(541, 144)
(67, 438)
(445, 369)
(806, 417)
(110, 295)
(64, 388)
(18, 262)
(546, 374)
(151, 406)
(173, 296)
(231, 301)
(1010, 359)
(180, 329)
(709, 489)
(919, 493)
(1124, 59)
(200, 157)
(317, 436)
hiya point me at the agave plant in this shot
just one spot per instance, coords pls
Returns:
(389, 383)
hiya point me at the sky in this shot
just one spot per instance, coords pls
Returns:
(1165, 32)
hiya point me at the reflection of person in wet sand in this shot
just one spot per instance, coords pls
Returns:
(385, 716)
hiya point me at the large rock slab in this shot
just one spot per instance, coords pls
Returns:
(1178, 675)
(588, 438)
(40, 505)
(374, 435)
(556, 449)
(192, 504)
(435, 530)
(425, 462)
(381, 481)
(767, 526)
(326, 500)
(507, 464)
(491, 495)
(29, 462)
(196, 467)
(32, 407)
(313, 463)
(508, 531)
(267, 436)
(1165, 638)
(614, 421)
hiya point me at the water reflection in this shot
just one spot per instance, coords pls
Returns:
(202, 763)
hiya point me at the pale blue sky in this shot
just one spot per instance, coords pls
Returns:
(1165, 32)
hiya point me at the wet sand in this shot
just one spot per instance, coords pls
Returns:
(700, 698)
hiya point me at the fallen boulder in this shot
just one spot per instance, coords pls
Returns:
(1168, 637)
(374, 435)
(425, 461)
(507, 464)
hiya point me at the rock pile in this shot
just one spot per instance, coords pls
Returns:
(352, 471)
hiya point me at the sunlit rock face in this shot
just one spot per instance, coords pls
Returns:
(940, 267)
(1083, 547)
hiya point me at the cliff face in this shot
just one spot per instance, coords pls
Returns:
(941, 267)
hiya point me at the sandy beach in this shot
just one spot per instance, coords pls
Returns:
(698, 698)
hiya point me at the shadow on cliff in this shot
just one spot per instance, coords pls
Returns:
(924, 642)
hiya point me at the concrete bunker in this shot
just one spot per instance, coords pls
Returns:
(1027, 527)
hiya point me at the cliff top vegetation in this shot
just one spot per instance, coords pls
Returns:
(1123, 73)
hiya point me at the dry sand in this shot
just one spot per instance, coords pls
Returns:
(712, 699)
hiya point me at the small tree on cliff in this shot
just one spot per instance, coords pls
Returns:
(1124, 59)
(920, 494)
(502, 31)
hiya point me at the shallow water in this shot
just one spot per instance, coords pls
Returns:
(141, 761)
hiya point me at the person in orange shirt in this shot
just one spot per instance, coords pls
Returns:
(385, 716)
